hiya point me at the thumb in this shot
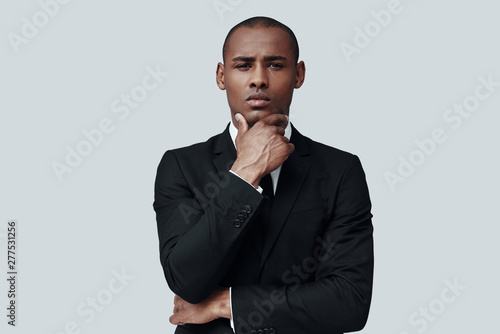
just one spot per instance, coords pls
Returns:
(242, 124)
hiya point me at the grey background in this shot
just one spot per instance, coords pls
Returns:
(440, 224)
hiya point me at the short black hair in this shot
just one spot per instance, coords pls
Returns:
(266, 22)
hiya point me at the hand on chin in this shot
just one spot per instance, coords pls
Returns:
(253, 116)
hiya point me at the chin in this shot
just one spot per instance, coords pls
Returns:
(253, 116)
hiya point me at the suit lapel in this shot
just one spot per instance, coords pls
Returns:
(292, 176)
(225, 153)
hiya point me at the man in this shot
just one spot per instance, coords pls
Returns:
(293, 255)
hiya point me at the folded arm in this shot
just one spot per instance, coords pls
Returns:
(338, 299)
(199, 237)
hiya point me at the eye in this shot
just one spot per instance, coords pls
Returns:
(276, 65)
(243, 66)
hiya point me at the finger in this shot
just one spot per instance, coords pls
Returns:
(277, 129)
(174, 320)
(276, 120)
(280, 130)
(242, 124)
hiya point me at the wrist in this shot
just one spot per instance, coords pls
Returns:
(223, 304)
(248, 173)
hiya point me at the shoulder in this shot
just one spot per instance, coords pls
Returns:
(205, 147)
(322, 154)
(202, 150)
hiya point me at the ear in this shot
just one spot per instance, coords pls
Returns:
(300, 74)
(219, 76)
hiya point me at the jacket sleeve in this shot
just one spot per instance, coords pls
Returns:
(338, 299)
(200, 226)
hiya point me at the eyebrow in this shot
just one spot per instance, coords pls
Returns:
(251, 59)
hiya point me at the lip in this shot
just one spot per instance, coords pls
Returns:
(258, 100)
(258, 103)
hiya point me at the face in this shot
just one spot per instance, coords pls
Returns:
(260, 73)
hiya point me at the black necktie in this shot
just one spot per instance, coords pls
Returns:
(266, 184)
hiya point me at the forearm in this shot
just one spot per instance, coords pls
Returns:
(332, 293)
(214, 307)
(197, 253)
(330, 305)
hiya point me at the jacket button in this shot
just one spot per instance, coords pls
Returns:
(248, 208)
(237, 222)
(272, 331)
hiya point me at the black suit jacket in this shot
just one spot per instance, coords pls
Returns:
(312, 273)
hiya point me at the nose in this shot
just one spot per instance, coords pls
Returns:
(259, 78)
